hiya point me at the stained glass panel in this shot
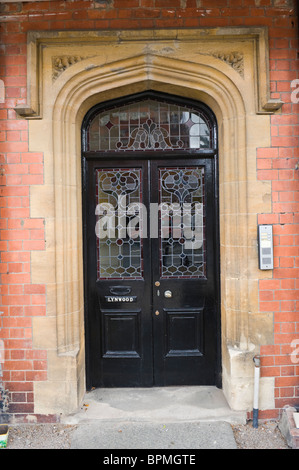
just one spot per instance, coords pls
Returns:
(149, 125)
(119, 224)
(182, 223)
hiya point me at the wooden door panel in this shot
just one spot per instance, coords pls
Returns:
(184, 275)
(184, 332)
(121, 333)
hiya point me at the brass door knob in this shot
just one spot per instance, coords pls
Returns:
(168, 294)
(157, 312)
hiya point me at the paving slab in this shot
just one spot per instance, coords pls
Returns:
(137, 435)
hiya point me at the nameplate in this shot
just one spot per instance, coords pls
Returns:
(121, 298)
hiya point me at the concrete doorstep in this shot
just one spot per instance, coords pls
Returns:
(156, 418)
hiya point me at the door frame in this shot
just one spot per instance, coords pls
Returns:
(147, 155)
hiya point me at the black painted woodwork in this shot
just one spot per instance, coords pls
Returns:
(127, 344)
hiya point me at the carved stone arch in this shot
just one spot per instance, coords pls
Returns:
(86, 83)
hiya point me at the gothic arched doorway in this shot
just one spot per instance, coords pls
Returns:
(151, 243)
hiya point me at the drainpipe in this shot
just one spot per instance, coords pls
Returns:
(257, 364)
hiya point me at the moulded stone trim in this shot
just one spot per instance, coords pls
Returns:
(62, 62)
(37, 41)
(85, 89)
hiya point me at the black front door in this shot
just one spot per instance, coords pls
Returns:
(151, 272)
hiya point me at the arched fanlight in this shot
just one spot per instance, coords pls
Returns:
(149, 124)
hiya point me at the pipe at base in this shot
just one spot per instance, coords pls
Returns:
(257, 364)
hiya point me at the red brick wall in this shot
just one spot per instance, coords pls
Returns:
(21, 300)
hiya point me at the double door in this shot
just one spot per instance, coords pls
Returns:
(151, 277)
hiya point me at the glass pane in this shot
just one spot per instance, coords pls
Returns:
(149, 125)
(119, 224)
(182, 223)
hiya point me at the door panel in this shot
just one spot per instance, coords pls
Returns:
(184, 281)
(184, 332)
(150, 277)
(117, 278)
(121, 333)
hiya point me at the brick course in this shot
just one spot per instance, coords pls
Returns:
(21, 168)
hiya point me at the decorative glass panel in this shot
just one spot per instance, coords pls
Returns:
(149, 125)
(119, 224)
(182, 223)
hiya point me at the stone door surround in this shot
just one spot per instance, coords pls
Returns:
(71, 71)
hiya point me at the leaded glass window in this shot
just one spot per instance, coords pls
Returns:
(149, 125)
(118, 228)
(182, 223)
